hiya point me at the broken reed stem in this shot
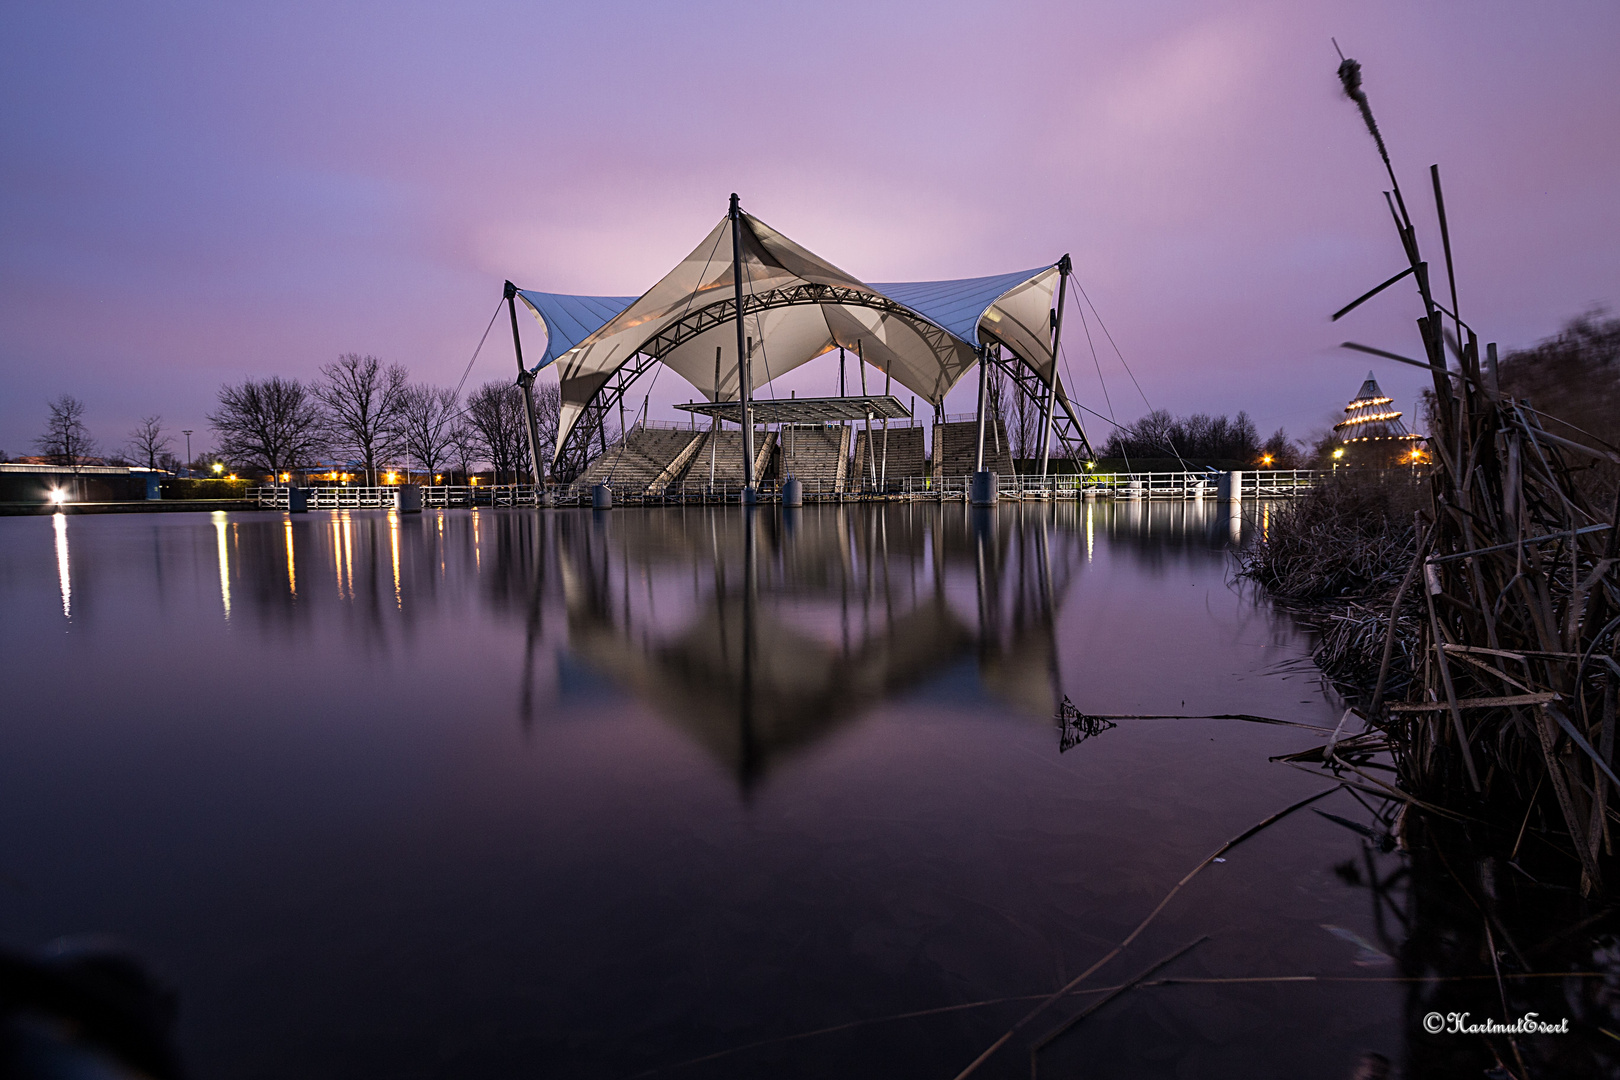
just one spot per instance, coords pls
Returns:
(1048, 1002)
(1394, 613)
(1131, 984)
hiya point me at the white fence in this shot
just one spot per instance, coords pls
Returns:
(1257, 484)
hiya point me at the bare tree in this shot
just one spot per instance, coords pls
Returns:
(273, 425)
(1026, 425)
(592, 431)
(464, 445)
(996, 407)
(148, 443)
(1199, 436)
(362, 399)
(495, 412)
(66, 440)
(424, 424)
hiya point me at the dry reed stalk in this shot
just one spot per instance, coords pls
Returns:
(1518, 633)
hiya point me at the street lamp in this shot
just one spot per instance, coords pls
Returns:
(187, 434)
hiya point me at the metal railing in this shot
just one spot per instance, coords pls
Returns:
(1278, 483)
(1125, 486)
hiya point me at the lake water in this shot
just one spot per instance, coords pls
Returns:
(507, 793)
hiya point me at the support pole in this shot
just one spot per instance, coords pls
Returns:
(883, 477)
(1064, 269)
(871, 462)
(714, 420)
(849, 444)
(525, 380)
(744, 367)
(983, 489)
(984, 386)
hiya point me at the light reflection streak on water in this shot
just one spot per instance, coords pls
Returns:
(348, 552)
(224, 563)
(478, 561)
(337, 556)
(292, 572)
(63, 573)
(1091, 533)
(393, 543)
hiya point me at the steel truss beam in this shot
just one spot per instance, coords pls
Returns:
(1066, 426)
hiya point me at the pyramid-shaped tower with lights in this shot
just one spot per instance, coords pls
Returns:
(1371, 415)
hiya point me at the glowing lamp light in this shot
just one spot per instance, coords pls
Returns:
(218, 468)
(1266, 460)
(392, 478)
(231, 477)
(58, 496)
(1339, 453)
(286, 477)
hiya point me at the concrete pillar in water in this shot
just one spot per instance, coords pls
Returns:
(601, 497)
(297, 500)
(985, 489)
(408, 498)
(548, 498)
(1231, 487)
(793, 492)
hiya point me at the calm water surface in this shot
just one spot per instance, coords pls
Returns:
(505, 793)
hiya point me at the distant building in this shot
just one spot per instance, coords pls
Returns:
(1371, 432)
(31, 484)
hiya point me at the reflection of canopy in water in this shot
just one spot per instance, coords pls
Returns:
(750, 687)
(786, 632)
(796, 306)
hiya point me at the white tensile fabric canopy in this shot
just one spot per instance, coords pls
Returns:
(796, 307)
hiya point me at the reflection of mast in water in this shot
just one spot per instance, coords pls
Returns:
(1049, 610)
(1017, 658)
(747, 753)
(534, 626)
(986, 577)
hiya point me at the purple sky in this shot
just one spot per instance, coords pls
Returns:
(192, 194)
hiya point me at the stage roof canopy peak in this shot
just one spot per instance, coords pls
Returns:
(796, 306)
